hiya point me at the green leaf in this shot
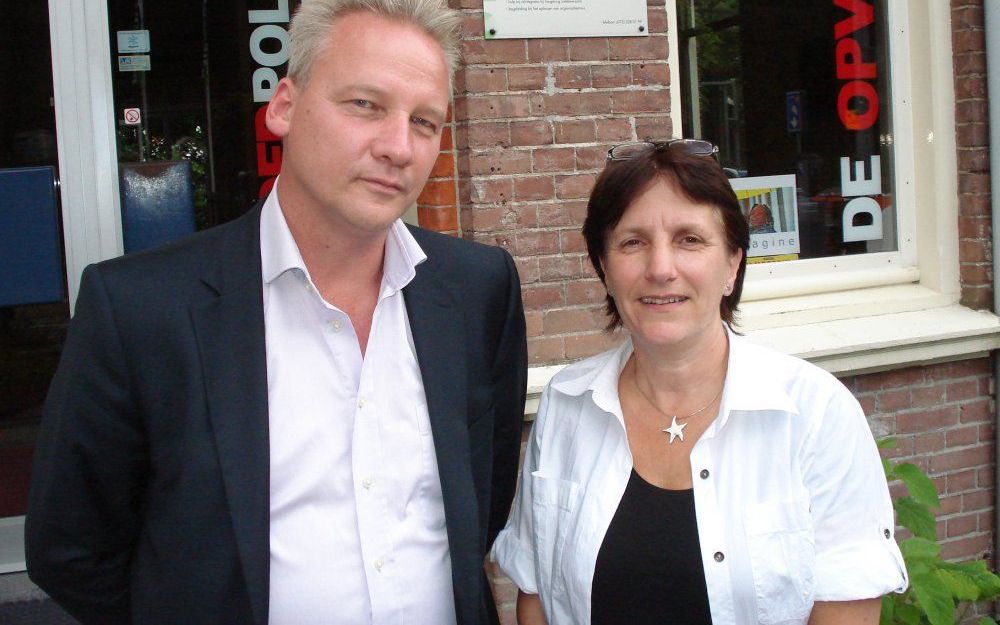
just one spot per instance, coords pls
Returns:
(987, 621)
(888, 614)
(886, 443)
(920, 487)
(934, 598)
(887, 469)
(908, 614)
(915, 517)
(961, 585)
(918, 549)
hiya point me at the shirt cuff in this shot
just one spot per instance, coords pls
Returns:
(861, 570)
(516, 560)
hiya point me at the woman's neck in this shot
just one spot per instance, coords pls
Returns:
(677, 379)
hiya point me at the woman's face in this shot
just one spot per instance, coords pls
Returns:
(667, 265)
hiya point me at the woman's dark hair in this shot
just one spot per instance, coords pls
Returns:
(699, 178)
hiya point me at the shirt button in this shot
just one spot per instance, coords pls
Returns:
(361, 403)
(378, 565)
(719, 556)
(887, 533)
(336, 324)
(367, 482)
(704, 474)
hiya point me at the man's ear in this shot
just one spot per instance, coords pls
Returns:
(279, 110)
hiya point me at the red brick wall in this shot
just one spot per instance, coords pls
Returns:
(972, 135)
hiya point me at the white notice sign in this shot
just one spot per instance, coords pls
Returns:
(514, 19)
(133, 41)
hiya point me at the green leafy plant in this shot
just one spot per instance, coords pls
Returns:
(940, 592)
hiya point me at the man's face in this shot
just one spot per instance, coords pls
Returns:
(361, 136)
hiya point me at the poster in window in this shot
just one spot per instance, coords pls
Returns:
(769, 204)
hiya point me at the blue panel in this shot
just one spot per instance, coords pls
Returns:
(31, 250)
(157, 203)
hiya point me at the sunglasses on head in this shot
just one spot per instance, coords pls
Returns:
(694, 147)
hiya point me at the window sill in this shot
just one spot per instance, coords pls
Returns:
(855, 332)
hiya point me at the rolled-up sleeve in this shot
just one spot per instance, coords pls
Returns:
(514, 549)
(856, 552)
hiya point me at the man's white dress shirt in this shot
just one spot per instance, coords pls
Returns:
(790, 497)
(357, 531)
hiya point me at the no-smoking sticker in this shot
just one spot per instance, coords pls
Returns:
(133, 117)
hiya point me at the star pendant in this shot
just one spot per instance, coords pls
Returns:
(676, 430)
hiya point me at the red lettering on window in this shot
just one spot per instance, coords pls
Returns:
(849, 63)
(851, 117)
(862, 14)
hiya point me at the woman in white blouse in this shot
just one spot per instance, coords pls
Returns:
(689, 476)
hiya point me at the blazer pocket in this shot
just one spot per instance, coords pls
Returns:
(782, 554)
(554, 508)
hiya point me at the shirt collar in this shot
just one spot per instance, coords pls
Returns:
(279, 252)
(750, 385)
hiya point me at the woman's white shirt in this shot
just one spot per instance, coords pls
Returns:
(790, 498)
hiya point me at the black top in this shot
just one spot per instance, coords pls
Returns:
(649, 567)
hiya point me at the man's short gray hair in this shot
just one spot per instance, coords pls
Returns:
(310, 27)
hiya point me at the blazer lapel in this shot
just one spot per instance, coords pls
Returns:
(230, 335)
(438, 335)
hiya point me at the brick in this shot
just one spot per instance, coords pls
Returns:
(545, 350)
(926, 420)
(438, 193)
(639, 48)
(960, 482)
(525, 78)
(974, 227)
(484, 135)
(553, 159)
(640, 101)
(550, 215)
(928, 442)
(657, 21)
(971, 111)
(543, 50)
(924, 396)
(589, 103)
(609, 76)
(527, 270)
(475, 51)
(574, 186)
(533, 322)
(961, 525)
(534, 188)
(974, 204)
(963, 436)
(960, 459)
(560, 267)
(590, 158)
(585, 292)
(653, 128)
(444, 165)
(972, 135)
(495, 161)
(446, 137)
(970, 87)
(575, 131)
(965, 389)
(588, 49)
(487, 190)
(481, 79)
(973, 251)
(542, 297)
(506, 217)
(978, 499)
(571, 241)
(572, 77)
(441, 219)
(892, 379)
(962, 369)
(536, 243)
(584, 345)
(970, 63)
(893, 400)
(651, 74)
(967, 17)
(498, 106)
(977, 298)
(616, 129)
(533, 132)
(976, 411)
(967, 41)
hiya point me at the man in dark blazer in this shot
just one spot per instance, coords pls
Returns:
(153, 494)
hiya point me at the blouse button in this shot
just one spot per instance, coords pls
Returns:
(704, 474)
(719, 556)
(887, 534)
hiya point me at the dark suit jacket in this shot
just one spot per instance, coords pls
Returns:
(149, 499)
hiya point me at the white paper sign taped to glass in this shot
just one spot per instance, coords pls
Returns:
(133, 41)
(134, 63)
(515, 19)
(770, 205)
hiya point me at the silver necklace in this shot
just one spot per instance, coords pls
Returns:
(676, 430)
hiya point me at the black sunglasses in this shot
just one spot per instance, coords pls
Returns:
(694, 147)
